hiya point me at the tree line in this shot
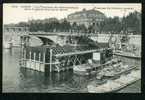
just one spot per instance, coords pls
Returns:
(127, 24)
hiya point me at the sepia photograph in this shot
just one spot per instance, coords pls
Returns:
(72, 48)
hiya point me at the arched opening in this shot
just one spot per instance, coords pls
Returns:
(46, 41)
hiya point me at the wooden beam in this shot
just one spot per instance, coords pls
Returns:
(44, 61)
(77, 52)
(50, 60)
(77, 58)
(39, 61)
(34, 57)
(30, 58)
(24, 58)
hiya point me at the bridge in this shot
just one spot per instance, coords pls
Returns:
(54, 37)
(59, 37)
(14, 32)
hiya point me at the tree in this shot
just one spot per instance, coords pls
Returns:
(65, 26)
(74, 27)
(90, 27)
(132, 22)
(22, 24)
(112, 25)
(82, 28)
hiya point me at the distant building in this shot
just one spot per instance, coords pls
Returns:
(11, 33)
(13, 28)
(86, 17)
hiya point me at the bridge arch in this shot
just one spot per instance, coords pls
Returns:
(46, 41)
(38, 40)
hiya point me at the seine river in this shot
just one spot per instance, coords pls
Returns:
(16, 79)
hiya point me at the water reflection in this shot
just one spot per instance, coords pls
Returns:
(58, 82)
(8, 52)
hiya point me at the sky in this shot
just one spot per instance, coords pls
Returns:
(15, 12)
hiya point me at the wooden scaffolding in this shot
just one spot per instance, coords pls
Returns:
(53, 58)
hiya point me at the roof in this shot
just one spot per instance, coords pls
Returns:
(70, 49)
(92, 11)
(88, 11)
(60, 49)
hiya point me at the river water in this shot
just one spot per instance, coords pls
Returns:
(17, 79)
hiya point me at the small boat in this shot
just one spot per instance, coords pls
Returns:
(112, 70)
(81, 69)
(115, 85)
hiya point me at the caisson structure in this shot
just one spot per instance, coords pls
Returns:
(61, 51)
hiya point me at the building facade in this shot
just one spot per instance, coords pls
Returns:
(86, 17)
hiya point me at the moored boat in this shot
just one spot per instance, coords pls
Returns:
(81, 69)
(115, 70)
(94, 68)
(115, 85)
